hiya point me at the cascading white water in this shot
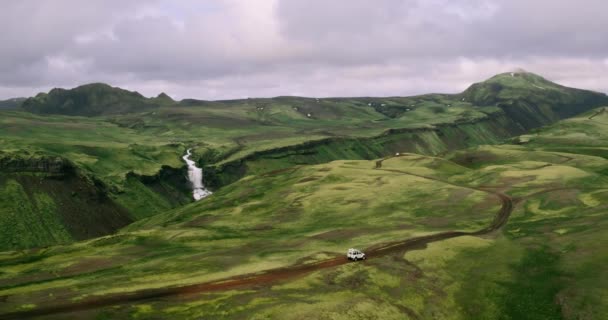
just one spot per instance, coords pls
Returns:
(195, 175)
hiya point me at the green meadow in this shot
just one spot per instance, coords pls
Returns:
(546, 263)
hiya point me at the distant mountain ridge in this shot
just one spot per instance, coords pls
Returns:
(14, 103)
(92, 100)
(503, 90)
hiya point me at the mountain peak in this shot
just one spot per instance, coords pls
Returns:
(509, 85)
(518, 76)
(163, 95)
(95, 85)
(163, 99)
(88, 100)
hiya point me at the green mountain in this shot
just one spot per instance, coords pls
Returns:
(508, 91)
(91, 100)
(505, 105)
(531, 99)
(11, 104)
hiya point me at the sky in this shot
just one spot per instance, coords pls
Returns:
(221, 49)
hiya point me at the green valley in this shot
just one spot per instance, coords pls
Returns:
(488, 204)
(122, 153)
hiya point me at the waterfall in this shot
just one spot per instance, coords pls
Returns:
(195, 175)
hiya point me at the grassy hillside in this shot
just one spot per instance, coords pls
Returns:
(505, 105)
(91, 100)
(226, 132)
(430, 140)
(46, 201)
(39, 210)
(111, 180)
(134, 147)
(545, 263)
(530, 99)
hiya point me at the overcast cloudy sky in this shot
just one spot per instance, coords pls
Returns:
(215, 49)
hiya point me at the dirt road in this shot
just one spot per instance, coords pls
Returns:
(273, 275)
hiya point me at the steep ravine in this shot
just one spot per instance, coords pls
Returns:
(147, 195)
(513, 120)
(46, 200)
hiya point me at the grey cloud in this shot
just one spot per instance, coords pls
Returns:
(442, 28)
(231, 48)
(34, 28)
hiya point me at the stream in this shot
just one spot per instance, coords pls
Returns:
(195, 175)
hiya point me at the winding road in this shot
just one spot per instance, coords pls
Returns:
(279, 274)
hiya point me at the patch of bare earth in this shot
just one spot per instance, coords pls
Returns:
(91, 265)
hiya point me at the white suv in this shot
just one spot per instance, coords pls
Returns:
(354, 254)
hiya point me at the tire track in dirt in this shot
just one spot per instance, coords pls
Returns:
(274, 275)
(598, 113)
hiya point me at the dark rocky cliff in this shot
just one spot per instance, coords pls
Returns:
(46, 200)
(33, 164)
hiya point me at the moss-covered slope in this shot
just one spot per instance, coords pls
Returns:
(46, 201)
(134, 150)
(91, 100)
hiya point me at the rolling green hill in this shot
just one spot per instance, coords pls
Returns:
(91, 100)
(131, 146)
(287, 232)
(505, 105)
(530, 99)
